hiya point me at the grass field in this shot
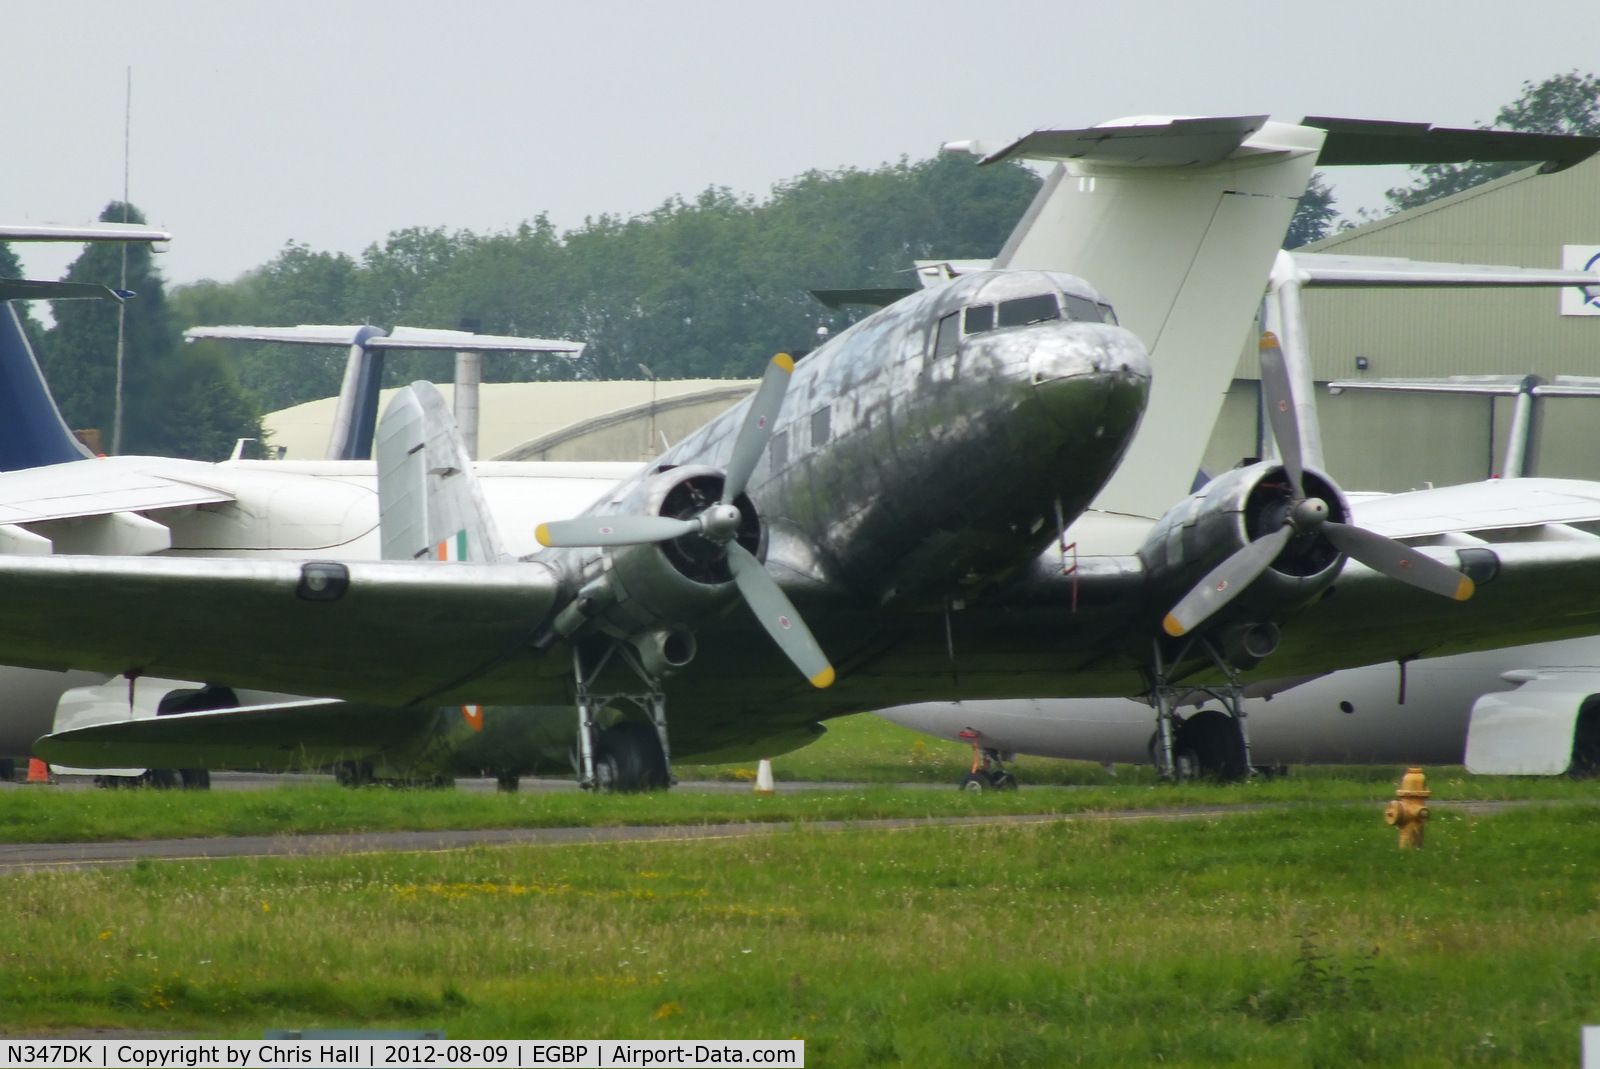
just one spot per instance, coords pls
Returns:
(1271, 938)
(860, 749)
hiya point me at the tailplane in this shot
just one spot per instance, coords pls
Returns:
(32, 432)
(430, 504)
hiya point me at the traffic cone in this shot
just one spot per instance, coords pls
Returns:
(38, 771)
(764, 777)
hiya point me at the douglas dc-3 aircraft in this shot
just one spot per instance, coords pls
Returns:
(904, 487)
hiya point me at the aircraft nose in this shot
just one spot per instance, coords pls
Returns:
(1103, 361)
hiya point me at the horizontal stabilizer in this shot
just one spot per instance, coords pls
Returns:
(1160, 142)
(1323, 269)
(81, 232)
(1482, 385)
(1373, 143)
(399, 338)
(880, 297)
(22, 289)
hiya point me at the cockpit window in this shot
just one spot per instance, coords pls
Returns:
(980, 318)
(1025, 310)
(1081, 309)
(948, 338)
(1108, 314)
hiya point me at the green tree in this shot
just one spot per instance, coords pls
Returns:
(1563, 104)
(706, 286)
(1315, 215)
(11, 267)
(175, 402)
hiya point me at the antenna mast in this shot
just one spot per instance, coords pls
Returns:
(122, 306)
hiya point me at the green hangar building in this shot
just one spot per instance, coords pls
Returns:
(1380, 440)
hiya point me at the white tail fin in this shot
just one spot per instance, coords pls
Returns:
(1176, 221)
(430, 504)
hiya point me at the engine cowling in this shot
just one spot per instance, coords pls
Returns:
(1227, 514)
(653, 593)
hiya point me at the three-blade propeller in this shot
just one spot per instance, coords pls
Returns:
(719, 523)
(1307, 517)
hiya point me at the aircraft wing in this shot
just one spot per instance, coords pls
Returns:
(1489, 511)
(385, 632)
(81, 232)
(95, 488)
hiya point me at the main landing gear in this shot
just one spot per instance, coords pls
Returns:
(1209, 744)
(988, 773)
(629, 756)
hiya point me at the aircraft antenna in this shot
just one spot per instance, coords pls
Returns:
(122, 306)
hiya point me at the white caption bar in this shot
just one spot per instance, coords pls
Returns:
(340, 1054)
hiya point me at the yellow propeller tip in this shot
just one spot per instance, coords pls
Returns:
(785, 361)
(1269, 340)
(1172, 627)
(1465, 589)
(823, 679)
(542, 533)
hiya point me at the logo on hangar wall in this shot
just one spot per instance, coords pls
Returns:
(1580, 300)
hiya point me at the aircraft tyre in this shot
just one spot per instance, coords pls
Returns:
(989, 780)
(353, 773)
(629, 760)
(1586, 743)
(195, 779)
(1213, 745)
(507, 782)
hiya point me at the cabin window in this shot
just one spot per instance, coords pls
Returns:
(820, 425)
(1080, 309)
(1025, 310)
(778, 452)
(949, 336)
(980, 318)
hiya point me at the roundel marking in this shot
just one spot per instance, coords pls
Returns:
(783, 622)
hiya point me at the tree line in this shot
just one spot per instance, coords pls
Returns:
(708, 286)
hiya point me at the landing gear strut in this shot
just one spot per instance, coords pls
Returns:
(1209, 743)
(628, 756)
(988, 773)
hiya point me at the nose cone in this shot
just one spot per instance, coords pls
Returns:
(1083, 371)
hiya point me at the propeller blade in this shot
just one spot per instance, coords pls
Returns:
(777, 614)
(1225, 582)
(612, 530)
(1398, 561)
(1277, 396)
(757, 427)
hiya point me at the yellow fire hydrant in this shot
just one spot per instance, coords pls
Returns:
(1408, 811)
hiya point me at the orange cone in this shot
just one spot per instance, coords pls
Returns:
(38, 771)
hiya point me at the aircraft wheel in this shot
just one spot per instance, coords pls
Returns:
(1214, 744)
(977, 782)
(631, 752)
(1586, 744)
(1003, 781)
(507, 783)
(195, 779)
(353, 773)
(162, 779)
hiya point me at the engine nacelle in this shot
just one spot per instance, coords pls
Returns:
(1222, 517)
(660, 589)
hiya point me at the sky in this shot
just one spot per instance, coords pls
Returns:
(334, 123)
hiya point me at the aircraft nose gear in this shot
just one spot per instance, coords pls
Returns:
(1208, 744)
(628, 756)
(988, 773)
